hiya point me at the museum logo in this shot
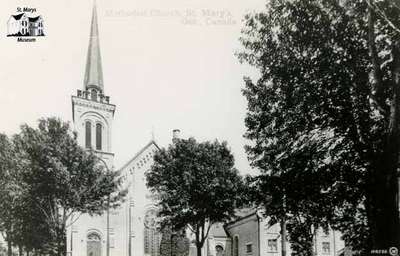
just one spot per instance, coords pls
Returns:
(26, 25)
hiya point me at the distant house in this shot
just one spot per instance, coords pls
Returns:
(252, 235)
(36, 26)
(22, 25)
(18, 25)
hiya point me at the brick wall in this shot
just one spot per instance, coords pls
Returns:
(247, 231)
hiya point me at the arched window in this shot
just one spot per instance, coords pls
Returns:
(99, 128)
(93, 245)
(219, 250)
(152, 237)
(94, 95)
(236, 246)
(88, 134)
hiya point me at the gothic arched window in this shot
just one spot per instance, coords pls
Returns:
(93, 244)
(94, 95)
(152, 237)
(219, 250)
(88, 134)
(236, 246)
(98, 136)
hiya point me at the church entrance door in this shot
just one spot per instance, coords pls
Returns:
(93, 245)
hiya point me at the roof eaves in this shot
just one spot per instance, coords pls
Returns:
(139, 153)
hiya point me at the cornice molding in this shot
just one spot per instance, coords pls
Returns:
(93, 104)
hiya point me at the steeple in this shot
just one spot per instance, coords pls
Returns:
(94, 72)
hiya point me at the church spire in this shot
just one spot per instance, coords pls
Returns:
(94, 72)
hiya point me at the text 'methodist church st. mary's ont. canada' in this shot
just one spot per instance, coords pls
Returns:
(130, 230)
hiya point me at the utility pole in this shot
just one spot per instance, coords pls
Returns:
(108, 227)
(315, 242)
(108, 219)
(72, 239)
(334, 242)
(130, 227)
(283, 234)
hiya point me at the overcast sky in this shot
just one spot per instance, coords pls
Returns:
(167, 64)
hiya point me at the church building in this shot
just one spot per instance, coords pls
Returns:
(131, 229)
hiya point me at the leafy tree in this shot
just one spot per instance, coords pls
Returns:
(301, 237)
(323, 118)
(197, 185)
(20, 222)
(174, 243)
(10, 190)
(62, 178)
(31, 231)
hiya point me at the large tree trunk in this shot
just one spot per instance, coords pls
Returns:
(9, 246)
(198, 246)
(384, 219)
(384, 216)
(61, 241)
(382, 186)
(283, 235)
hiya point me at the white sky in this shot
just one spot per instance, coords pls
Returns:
(159, 70)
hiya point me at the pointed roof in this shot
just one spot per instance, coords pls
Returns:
(34, 19)
(217, 230)
(94, 71)
(138, 154)
(18, 16)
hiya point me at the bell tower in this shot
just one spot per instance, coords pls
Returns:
(92, 112)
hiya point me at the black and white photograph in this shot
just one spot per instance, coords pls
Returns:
(200, 128)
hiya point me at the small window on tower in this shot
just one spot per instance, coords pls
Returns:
(94, 95)
(88, 137)
(98, 136)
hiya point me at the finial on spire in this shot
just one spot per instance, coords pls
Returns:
(94, 71)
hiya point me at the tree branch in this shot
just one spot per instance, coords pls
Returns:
(377, 84)
(191, 228)
(48, 218)
(208, 230)
(68, 214)
(73, 220)
(375, 7)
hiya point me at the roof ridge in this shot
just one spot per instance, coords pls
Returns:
(18, 16)
(34, 18)
(139, 153)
